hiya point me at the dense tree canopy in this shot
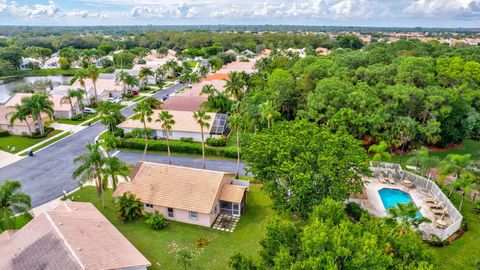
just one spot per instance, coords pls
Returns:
(300, 163)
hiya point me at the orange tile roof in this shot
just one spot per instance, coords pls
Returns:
(216, 76)
(232, 193)
(184, 103)
(73, 236)
(176, 187)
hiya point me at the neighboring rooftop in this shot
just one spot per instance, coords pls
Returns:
(176, 187)
(73, 236)
(184, 121)
(183, 103)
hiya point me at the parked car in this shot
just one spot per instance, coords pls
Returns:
(114, 100)
(136, 92)
(89, 111)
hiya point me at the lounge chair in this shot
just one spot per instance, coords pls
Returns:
(391, 180)
(437, 205)
(431, 200)
(439, 212)
(441, 224)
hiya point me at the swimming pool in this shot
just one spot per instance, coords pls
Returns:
(392, 197)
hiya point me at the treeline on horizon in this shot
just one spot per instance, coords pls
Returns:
(12, 30)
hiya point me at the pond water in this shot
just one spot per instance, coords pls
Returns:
(7, 86)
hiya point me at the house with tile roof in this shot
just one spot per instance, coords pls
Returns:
(73, 236)
(183, 103)
(187, 195)
(185, 126)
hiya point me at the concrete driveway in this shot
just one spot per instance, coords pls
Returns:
(46, 175)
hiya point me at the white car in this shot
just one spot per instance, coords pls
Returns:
(89, 111)
(114, 100)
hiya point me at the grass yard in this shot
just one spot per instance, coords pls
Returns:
(77, 121)
(20, 142)
(155, 244)
(42, 145)
(19, 222)
(463, 253)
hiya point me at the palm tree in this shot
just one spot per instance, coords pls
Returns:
(171, 66)
(208, 90)
(38, 86)
(422, 160)
(122, 77)
(167, 121)
(71, 93)
(455, 164)
(160, 75)
(204, 70)
(234, 122)
(268, 113)
(22, 113)
(131, 81)
(380, 151)
(463, 183)
(234, 85)
(128, 207)
(81, 76)
(90, 165)
(12, 201)
(143, 75)
(143, 112)
(202, 117)
(407, 214)
(193, 78)
(93, 74)
(110, 114)
(39, 104)
(113, 167)
(78, 94)
(184, 77)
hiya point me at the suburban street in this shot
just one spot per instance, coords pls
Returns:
(46, 175)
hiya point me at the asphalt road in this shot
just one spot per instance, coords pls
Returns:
(211, 164)
(46, 175)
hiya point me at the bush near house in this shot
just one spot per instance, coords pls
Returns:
(4, 133)
(155, 220)
(217, 142)
(179, 147)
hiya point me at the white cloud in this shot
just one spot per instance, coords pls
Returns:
(82, 13)
(441, 7)
(42, 10)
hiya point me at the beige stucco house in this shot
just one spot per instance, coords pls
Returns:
(185, 194)
(74, 236)
(185, 126)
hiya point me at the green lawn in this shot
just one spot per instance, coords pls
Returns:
(36, 148)
(77, 121)
(92, 120)
(155, 244)
(20, 142)
(463, 253)
(19, 222)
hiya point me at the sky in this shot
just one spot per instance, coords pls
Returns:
(390, 13)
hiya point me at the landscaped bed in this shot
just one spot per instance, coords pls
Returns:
(156, 245)
(21, 142)
(76, 121)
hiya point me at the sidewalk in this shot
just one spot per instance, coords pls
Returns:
(7, 158)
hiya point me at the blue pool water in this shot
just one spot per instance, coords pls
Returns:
(393, 197)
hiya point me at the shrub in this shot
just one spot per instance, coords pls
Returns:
(109, 69)
(155, 220)
(119, 133)
(217, 142)
(76, 117)
(139, 133)
(202, 242)
(354, 210)
(141, 62)
(186, 139)
(179, 147)
(38, 135)
(128, 207)
(4, 133)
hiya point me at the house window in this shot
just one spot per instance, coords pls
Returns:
(193, 215)
(149, 205)
(170, 212)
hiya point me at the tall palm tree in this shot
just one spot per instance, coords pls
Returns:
(78, 94)
(208, 90)
(90, 164)
(81, 76)
(407, 215)
(20, 112)
(193, 78)
(93, 74)
(234, 122)
(39, 104)
(160, 75)
(455, 164)
(122, 77)
(143, 75)
(167, 122)
(71, 93)
(204, 70)
(464, 183)
(171, 66)
(380, 151)
(112, 168)
(110, 114)
(234, 85)
(12, 201)
(143, 112)
(201, 117)
(131, 82)
(422, 160)
(268, 113)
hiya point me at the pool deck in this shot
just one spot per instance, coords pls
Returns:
(374, 204)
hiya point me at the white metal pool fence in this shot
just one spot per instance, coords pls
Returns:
(396, 171)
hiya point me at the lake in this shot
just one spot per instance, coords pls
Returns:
(6, 87)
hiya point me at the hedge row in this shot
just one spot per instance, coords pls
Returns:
(179, 147)
(4, 133)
